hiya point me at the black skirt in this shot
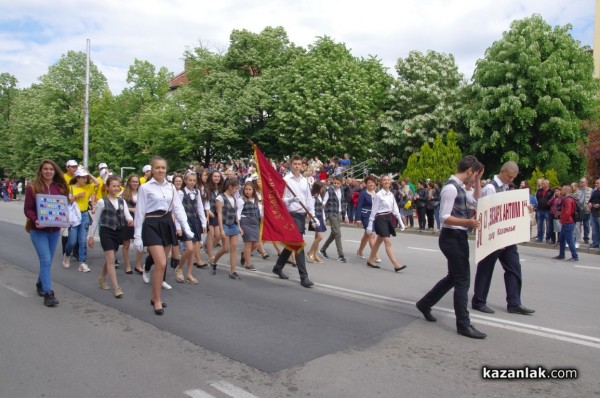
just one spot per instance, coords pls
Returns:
(128, 232)
(159, 230)
(110, 239)
(196, 227)
(383, 225)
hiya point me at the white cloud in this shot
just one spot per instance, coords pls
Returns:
(35, 33)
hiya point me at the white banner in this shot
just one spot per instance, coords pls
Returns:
(505, 221)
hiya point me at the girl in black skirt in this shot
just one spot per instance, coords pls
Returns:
(194, 209)
(130, 196)
(213, 189)
(249, 215)
(384, 207)
(112, 216)
(154, 228)
(317, 191)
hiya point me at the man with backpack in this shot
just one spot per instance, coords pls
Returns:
(570, 213)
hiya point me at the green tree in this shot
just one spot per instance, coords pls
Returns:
(530, 94)
(8, 94)
(47, 118)
(425, 101)
(436, 162)
(325, 102)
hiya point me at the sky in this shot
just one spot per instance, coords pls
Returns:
(35, 33)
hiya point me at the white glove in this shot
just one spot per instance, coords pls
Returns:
(138, 244)
(316, 222)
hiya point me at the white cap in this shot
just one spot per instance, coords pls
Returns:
(71, 163)
(102, 166)
(254, 177)
(146, 168)
(81, 173)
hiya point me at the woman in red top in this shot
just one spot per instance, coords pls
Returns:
(568, 225)
(49, 180)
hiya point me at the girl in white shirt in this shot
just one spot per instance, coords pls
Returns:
(194, 209)
(384, 206)
(248, 211)
(130, 196)
(111, 225)
(229, 226)
(154, 224)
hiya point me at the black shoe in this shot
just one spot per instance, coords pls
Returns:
(265, 255)
(341, 259)
(164, 305)
(574, 259)
(49, 299)
(160, 311)
(519, 309)
(558, 257)
(472, 333)
(372, 265)
(306, 282)
(201, 265)
(426, 312)
(483, 308)
(138, 271)
(400, 268)
(280, 273)
(214, 267)
(323, 253)
(38, 287)
(116, 264)
(129, 272)
(234, 275)
(174, 262)
(242, 261)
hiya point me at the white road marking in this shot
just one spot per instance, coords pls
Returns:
(422, 249)
(15, 290)
(231, 390)
(353, 241)
(198, 394)
(587, 267)
(555, 334)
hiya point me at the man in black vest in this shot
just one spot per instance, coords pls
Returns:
(454, 244)
(508, 256)
(335, 206)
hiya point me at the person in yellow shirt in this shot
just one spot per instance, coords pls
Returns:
(147, 170)
(101, 189)
(81, 187)
(70, 172)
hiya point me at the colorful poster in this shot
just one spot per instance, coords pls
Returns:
(52, 210)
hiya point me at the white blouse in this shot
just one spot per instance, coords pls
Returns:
(153, 197)
(384, 202)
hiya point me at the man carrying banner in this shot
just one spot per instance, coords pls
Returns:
(454, 244)
(508, 256)
(297, 184)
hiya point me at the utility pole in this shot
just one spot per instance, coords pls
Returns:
(86, 109)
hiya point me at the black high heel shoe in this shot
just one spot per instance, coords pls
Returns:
(164, 305)
(138, 271)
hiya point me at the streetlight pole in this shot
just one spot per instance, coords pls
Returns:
(86, 109)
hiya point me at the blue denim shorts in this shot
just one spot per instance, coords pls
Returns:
(231, 230)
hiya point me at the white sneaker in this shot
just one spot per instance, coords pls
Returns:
(165, 285)
(576, 245)
(66, 261)
(145, 276)
(84, 268)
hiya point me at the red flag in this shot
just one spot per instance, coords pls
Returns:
(277, 224)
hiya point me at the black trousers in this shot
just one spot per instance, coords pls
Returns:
(421, 216)
(509, 259)
(455, 246)
(300, 220)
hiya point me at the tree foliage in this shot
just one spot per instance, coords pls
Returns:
(436, 162)
(424, 102)
(530, 95)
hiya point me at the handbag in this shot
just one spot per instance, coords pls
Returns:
(408, 204)
(74, 212)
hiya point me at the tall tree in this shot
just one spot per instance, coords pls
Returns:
(436, 162)
(530, 95)
(424, 102)
(326, 102)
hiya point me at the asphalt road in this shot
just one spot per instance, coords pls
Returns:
(355, 334)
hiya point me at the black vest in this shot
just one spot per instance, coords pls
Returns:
(459, 210)
(228, 212)
(333, 204)
(251, 209)
(190, 204)
(113, 218)
(318, 206)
